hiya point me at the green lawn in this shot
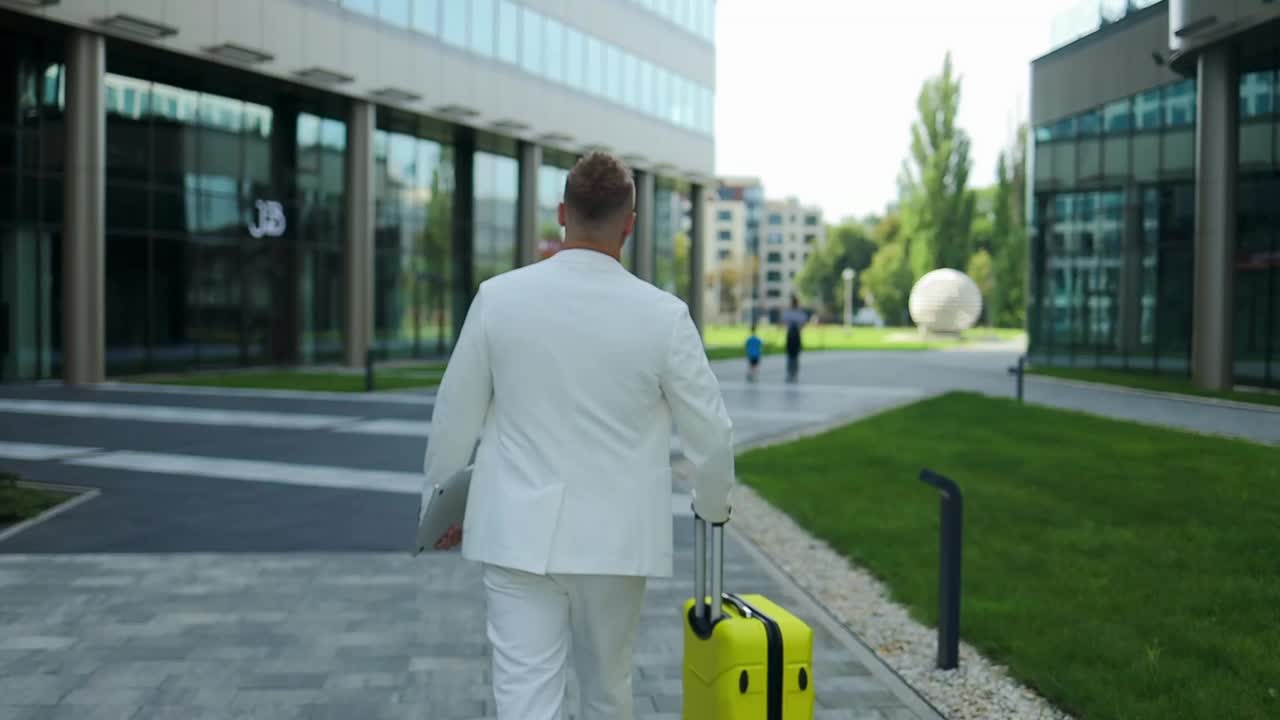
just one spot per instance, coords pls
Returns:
(387, 378)
(1122, 570)
(728, 341)
(21, 503)
(1151, 381)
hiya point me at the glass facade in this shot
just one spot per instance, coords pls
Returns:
(1112, 274)
(32, 84)
(551, 179)
(546, 47)
(223, 224)
(494, 208)
(413, 241)
(672, 223)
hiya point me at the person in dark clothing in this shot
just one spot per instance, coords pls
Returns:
(794, 319)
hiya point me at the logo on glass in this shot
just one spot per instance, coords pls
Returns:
(270, 219)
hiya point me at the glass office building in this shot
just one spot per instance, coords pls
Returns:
(267, 202)
(1113, 276)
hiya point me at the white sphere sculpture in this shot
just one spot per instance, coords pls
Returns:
(945, 301)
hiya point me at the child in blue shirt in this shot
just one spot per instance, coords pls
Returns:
(755, 348)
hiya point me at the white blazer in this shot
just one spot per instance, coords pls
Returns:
(569, 373)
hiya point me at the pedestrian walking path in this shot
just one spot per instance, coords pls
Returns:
(246, 558)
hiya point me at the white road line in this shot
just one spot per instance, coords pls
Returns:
(407, 428)
(400, 397)
(801, 388)
(37, 451)
(774, 416)
(327, 476)
(169, 414)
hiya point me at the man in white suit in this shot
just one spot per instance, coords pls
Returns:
(570, 374)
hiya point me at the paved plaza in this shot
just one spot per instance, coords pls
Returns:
(246, 558)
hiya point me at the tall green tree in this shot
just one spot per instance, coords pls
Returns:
(848, 245)
(886, 285)
(935, 178)
(1009, 233)
(979, 270)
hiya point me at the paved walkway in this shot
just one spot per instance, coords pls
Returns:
(246, 560)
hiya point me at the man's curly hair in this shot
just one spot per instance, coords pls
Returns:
(599, 188)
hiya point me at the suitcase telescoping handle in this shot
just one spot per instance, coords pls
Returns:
(701, 529)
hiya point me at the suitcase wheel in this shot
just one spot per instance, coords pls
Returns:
(743, 682)
(804, 680)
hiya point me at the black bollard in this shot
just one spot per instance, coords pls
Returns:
(1019, 371)
(952, 511)
(368, 370)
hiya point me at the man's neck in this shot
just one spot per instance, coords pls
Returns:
(614, 253)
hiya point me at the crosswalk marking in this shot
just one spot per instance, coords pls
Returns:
(39, 451)
(170, 414)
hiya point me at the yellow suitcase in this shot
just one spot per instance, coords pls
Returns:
(754, 662)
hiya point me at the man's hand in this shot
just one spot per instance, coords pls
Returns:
(451, 538)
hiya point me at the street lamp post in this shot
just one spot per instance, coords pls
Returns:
(848, 276)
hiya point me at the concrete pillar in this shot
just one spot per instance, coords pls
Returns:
(697, 259)
(83, 248)
(1130, 290)
(1217, 144)
(462, 257)
(643, 236)
(527, 222)
(358, 243)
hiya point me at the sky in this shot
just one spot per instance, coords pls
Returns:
(817, 97)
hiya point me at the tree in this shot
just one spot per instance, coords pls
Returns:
(979, 270)
(848, 245)
(935, 178)
(1009, 235)
(726, 279)
(887, 283)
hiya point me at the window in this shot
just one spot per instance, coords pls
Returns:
(773, 276)
(364, 7)
(724, 215)
(661, 93)
(648, 103)
(775, 238)
(575, 49)
(613, 73)
(1118, 117)
(775, 218)
(1064, 129)
(1257, 94)
(725, 236)
(508, 32)
(724, 254)
(791, 275)
(630, 80)
(1089, 124)
(531, 49)
(553, 59)
(774, 257)
(772, 293)
(482, 24)
(811, 220)
(793, 257)
(455, 22)
(426, 16)
(1044, 133)
(1180, 104)
(1147, 111)
(810, 238)
(595, 67)
(395, 12)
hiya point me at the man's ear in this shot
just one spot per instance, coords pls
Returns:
(562, 215)
(630, 227)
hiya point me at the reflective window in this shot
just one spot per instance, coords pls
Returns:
(531, 47)
(613, 73)
(551, 181)
(1180, 104)
(426, 16)
(1117, 117)
(508, 32)
(482, 27)
(553, 59)
(455, 22)
(494, 215)
(575, 52)
(395, 12)
(648, 103)
(365, 7)
(630, 80)
(1089, 124)
(1257, 94)
(595, 67)
(1147, 111)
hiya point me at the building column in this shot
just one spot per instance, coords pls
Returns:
(1130, 290)
(358, 243)
(1217, 144)
(461, 255)
(83, 244)
(527, 222)
(643, 235)
(697, 261)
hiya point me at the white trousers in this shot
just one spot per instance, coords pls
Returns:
(533, 621)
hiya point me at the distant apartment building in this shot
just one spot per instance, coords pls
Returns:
(749, 192)
(731, 268)
(790, 233)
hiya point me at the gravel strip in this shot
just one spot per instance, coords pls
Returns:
(978, 690)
